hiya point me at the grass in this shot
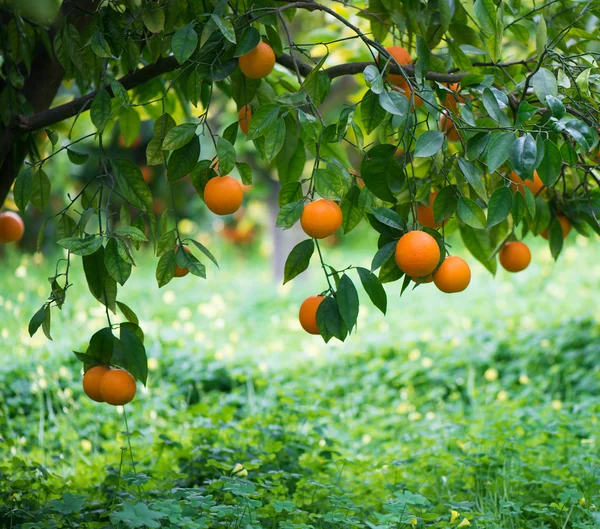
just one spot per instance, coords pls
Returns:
(483, 403)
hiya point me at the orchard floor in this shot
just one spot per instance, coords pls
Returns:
(480, 408)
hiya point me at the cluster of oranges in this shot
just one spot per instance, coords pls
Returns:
(113, 386)
(11, 227)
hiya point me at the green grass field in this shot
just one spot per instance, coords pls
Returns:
(479, 408)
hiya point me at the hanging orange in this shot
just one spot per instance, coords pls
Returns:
(223, 195)
(565, 225)
(91, 382)
(117, 387)
(11, 227)
(425, 216)
(535, 185)
(515, 256)
(259, 62)
(454, 275)
(308, 314)
(321, 218)
(417, 254)
(244, 116)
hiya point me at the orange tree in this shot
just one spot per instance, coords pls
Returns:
(477, 117)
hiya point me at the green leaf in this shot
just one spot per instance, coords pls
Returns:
(290, 214)
(459, 58)
(347, 300)
(383, 255)
(134, 353)
(40, 190)
(556, 106)
(205, 251)
(77, 158)
(423, 52)
(184, 43)
(374, 79)
(118, 269)
(23, 187)
(500, 206)
(389, 217)
(530, 201)
(128, 313)
(130, 123)
(373, 288)
(183, 160)
(541, 35)
(544, 84)
(476, 144)
(429, 143)
(248, 41)
(262, 120)
(225, 27)
(523, 153)
(179, 136)
(330, 321)
(379, 169)
(131, 184)
(119, 92)
(154, 153)
(550, 166)
(494, 43)
(479, 244)
(153, 17)
(189, 261)
(525, 112)
(555, 238)
(86, 246)
(37, 320)
(274, 139)
(498, 149)
(474, 176)
(165, 270)
(330, 184)
(99, 45)
(101, 109)
(493, 108)
(470, 213)
(136, 515)
(371, 112)
(485, 13)
(245, 173)
(445, 203)
(298, 260)
(395, 103)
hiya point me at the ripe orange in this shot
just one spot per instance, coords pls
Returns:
(11, 227)
(91, 382)
(223, 195)
(417, 254)
(308, 314)
(565, 225)
(451, 101)
(181, 272)
(321, 218)
(147, 173)
(448, 128)
(425, 215)
(117, 387)
(245, 115)
(259, 62)
(454, 275)
(534, 185)
(515, 256)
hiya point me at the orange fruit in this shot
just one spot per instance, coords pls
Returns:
(245, 115)
(425, 215)
(308, 314)
(451, 101)
(223, 195)
(181, 272)
(448, 128)
(11, 227)
(454, 275)
(417, 254)
(117, 387)
(259, 62)
(91, 382)
(321, 218)
(565, 225)
(535, 185)
(515, 256)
